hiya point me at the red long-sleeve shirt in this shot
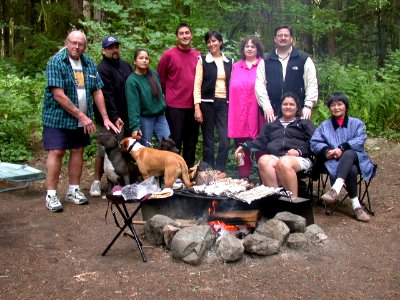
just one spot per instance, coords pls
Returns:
(177, 70)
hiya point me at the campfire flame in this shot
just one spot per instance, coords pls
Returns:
(213, 209)
(221, 228)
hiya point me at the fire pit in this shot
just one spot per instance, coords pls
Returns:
(187, 205)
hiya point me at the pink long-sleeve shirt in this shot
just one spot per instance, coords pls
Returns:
(244, 116)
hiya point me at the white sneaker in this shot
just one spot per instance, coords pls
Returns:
(77, 197)
(178, 184)
(53, 203)
(95, 189)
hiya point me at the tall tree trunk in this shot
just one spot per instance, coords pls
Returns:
(394, 24)
(77, 6)
(98, 14)
(305, 39)
(381, 46)
(86, 9)
(5, 8)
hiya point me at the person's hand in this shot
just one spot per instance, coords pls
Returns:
(137, 133)
(238, 150)
(269, 115)
(198, 116)
(334, 154)
(293, 152)
(109, 125)
(306, 113)
(87, 123)
(119, 123)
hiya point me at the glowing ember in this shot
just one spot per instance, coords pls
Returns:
(221, 228)
(212, 209)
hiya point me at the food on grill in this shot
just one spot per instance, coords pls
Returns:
(206, 177)
(256, 193)
(223, 187)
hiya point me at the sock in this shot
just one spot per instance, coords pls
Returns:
(51, 193)
(95, 181)
(355, 203)
(337, 186)
(72, 188)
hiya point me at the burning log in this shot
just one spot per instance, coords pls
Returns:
(237, 217)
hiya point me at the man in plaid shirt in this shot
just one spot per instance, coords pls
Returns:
(67, 115)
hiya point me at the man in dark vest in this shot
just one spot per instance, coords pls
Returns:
(286, 69)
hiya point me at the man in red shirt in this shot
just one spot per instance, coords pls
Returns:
(177, 68)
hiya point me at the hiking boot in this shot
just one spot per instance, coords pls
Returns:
(361, 215)
(53, 203)
(77, 197)
(95, 189)
(330, 196)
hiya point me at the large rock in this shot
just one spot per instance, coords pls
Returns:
(295, 223)
(315, 233)
(190, 243)
(298, 241)
(169, 232)
(274, 229)
(230, 248)
(153, 229)
(261, 245)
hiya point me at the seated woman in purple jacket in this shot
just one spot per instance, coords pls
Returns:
(340, 142)
(287, 142)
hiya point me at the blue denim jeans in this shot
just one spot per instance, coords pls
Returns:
(154, 124)
(215, 115)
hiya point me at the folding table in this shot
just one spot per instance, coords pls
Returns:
(120, 203)
(19, 174)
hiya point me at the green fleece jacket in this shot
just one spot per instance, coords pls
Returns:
(140, 100)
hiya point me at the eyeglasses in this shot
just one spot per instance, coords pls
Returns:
(74, 43)
(283, 35)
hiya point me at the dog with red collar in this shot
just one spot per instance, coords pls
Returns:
(154, 162)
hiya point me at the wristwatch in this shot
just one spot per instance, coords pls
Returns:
(308, 106)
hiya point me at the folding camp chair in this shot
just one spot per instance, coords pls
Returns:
(363, 192)
(120, 203)
(20, 174)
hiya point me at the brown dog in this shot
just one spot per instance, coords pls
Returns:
(153, 162)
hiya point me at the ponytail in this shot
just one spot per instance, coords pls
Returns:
(155, 89)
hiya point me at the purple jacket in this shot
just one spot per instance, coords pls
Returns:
(351, 135)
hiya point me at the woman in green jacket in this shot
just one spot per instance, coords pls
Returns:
(146, 102)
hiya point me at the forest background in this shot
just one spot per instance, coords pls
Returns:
(355, 45)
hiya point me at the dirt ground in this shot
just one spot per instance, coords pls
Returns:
(58, 255)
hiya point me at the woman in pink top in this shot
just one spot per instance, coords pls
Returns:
(245, 119)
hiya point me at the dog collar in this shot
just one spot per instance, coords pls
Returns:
(131, 146)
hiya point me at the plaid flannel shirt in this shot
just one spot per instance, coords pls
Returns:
(59, 74)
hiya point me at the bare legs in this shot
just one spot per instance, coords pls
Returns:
(283, 171)
(53, 166)
(54, 163)
(75, 165)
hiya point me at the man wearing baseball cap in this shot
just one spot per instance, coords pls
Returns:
(114, 72)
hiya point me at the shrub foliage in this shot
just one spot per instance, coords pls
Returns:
(20, 111)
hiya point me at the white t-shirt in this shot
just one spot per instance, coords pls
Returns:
(80, 85)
